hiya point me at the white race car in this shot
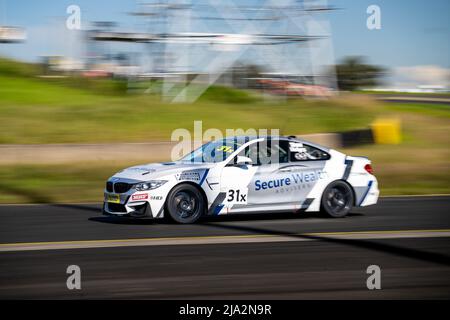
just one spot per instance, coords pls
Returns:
(244, 174)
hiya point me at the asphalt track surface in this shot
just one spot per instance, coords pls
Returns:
(257, 256)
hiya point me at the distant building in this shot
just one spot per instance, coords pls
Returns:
(12, 34)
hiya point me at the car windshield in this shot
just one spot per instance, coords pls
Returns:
(212, 152)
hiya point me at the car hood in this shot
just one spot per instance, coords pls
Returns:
(153, 171)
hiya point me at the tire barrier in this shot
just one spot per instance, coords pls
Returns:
(381, 131)
(387, 131)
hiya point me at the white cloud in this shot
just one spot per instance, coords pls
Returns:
(421, 75)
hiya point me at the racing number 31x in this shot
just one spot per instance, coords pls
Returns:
(236, 196)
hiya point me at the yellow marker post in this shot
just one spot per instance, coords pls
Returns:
(387, 131)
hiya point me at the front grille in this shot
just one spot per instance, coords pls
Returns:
(116, 207)
(109, 186)
(122, 187)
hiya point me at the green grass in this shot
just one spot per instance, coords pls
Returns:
(38, 111)
(228, 95)
(13, 68)
(419, 165)
(52, 184)
(437, 110)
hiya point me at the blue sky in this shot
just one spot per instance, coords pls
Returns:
(414, 32)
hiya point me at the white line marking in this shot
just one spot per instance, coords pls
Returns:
(258, 238)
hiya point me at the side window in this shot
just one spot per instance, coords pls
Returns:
(304, 152)
(267, 152)
(252, 152)
(283, 150)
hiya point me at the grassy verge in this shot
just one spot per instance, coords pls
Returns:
(419, 165)
(37, 111)
(52, 184)
(437, 110)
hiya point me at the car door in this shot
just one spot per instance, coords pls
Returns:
(234, 183)
(307, 170)
(267, 188)
(282, 175)
(261, 181)
(290, 181)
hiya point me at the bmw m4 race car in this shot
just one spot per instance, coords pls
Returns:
(244, 174)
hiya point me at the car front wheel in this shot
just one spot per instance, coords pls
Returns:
(185, 204)
(337, 199)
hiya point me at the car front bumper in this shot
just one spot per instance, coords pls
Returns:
(120, 210)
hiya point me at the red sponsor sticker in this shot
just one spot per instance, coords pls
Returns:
(142, 196)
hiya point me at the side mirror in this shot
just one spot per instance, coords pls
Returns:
(241, 160)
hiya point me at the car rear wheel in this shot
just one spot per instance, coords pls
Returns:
(337, 199)
(185, 204)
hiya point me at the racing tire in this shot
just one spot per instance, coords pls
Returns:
(337, 200)
(185, 204)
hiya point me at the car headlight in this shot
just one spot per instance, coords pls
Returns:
(149, 185)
